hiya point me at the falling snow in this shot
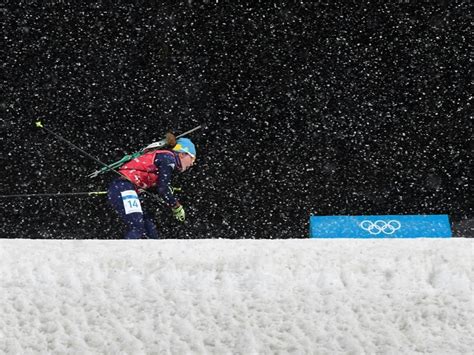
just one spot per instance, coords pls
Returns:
(309, 108)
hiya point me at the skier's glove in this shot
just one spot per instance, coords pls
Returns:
(178, 213)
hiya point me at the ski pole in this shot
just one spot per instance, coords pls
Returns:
(57, 194)
(39, 124)
(68, 194)
(116, 164)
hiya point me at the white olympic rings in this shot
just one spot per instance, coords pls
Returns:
(380, 226)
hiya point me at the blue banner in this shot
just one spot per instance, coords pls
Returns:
(388, 226)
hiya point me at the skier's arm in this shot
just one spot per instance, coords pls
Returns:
(165, 170)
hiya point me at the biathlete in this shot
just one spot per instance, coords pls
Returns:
(151, 171)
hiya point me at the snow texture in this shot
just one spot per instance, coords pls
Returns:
(236, 296)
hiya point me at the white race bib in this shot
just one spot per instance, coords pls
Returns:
(131, 202)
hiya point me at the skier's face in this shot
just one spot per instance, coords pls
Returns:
(187, 161)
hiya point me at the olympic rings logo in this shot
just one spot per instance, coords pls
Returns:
(380, 226)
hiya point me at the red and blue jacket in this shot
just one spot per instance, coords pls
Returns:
(153, 170)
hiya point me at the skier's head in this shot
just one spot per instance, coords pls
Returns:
(186, 152)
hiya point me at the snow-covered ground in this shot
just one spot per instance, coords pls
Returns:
(237, 296)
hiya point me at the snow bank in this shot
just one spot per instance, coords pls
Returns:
(236, 296)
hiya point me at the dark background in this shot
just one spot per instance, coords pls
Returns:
(309, 108)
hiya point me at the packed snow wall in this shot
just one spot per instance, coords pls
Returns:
(236, 296)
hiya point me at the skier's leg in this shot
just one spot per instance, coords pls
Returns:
(151, 230)
(123, 198)
(136, 226)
